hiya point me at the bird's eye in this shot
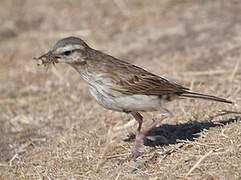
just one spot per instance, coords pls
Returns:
(66, 53)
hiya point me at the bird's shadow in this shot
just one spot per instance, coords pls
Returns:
(172, 134)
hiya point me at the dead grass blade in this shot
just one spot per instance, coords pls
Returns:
(235, 70)
(198, 162)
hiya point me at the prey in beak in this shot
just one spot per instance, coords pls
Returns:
(47, 59)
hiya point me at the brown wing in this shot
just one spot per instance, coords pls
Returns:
(146, 83)
(130, 79)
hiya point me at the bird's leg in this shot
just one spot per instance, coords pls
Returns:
(154, 123)
(156, 119)
(139, 136)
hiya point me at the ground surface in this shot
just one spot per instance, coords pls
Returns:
(51, 128)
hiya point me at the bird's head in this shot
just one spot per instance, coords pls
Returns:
(71, 50)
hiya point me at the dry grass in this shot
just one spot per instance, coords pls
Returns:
(51, 128)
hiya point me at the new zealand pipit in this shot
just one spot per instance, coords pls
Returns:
(119, 85)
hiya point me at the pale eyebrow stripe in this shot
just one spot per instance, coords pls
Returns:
(69, 48)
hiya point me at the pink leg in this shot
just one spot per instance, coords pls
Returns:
(141, 135)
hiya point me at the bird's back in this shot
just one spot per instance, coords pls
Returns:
(128, 78)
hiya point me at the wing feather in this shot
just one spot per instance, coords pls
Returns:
(130, 79)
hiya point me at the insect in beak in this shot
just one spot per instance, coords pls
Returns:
(46, 59)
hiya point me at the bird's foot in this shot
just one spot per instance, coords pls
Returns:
(157, 138)
(135, 152)
(142, 136)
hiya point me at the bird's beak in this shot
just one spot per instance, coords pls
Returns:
(47, 58)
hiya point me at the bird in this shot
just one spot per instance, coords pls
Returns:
(119, 85)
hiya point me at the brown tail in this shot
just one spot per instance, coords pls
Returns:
(204, 96)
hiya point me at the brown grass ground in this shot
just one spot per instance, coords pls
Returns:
(51, 128)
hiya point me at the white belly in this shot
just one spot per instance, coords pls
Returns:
(139, 103)
(116, 101)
